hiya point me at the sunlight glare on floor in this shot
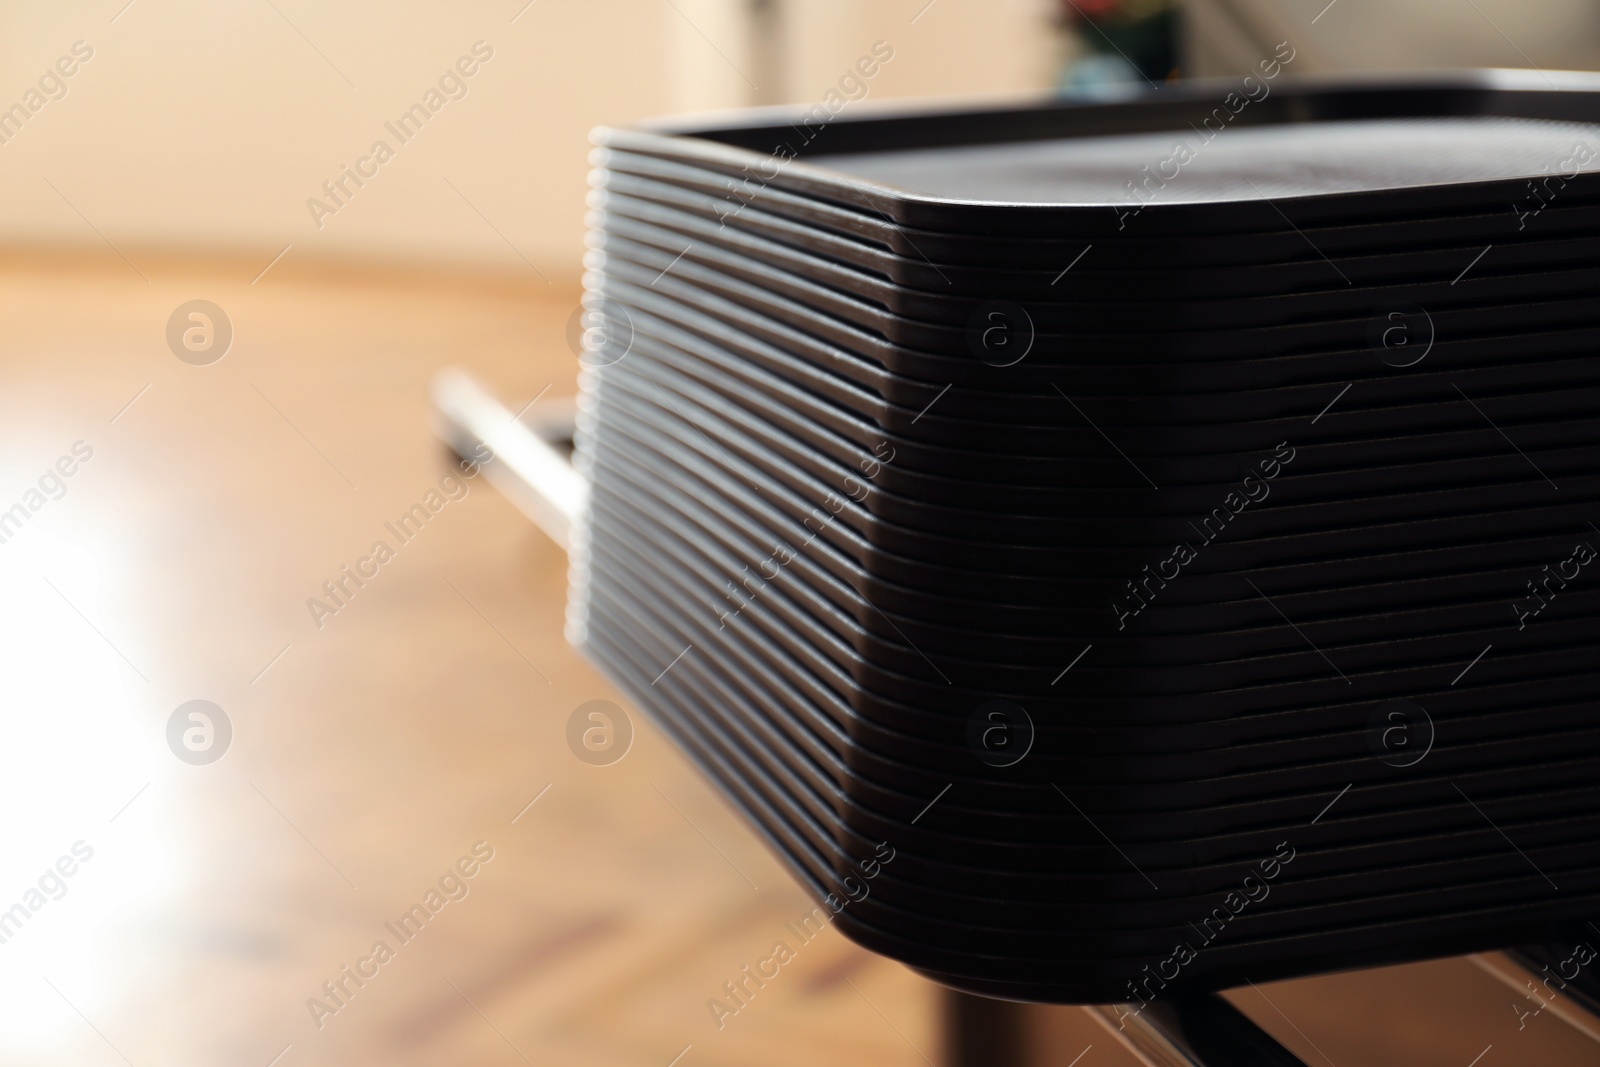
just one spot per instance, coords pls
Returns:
(72, 754)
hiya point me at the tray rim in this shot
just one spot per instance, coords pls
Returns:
(714, 139)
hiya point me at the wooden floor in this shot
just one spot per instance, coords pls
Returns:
(372, 752)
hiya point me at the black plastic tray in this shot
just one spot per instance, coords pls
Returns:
(701, 391)
(1302, 572)
(701, 216)
(745, 150)
(1526, 779)
(1493, 880)
(1086, 866)
(893, 576)
(816, 641)
(763, 371)
(1168, 822)
(905, 347)
(960, 413)
(748, 382)
(1384, 436)
(1396, 493)
(1131, 248)
(1119, 304)
(898, 635)
(935, 693)
(835, 594)
(820, 636)
(916, 380)
(1511, 507)
(1125, 309)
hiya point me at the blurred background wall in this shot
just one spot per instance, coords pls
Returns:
(209, 127)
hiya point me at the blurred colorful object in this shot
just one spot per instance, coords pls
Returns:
(1124, 43)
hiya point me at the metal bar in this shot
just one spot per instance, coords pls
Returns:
(535, 476)
(982, 1032)
(1194, 1030)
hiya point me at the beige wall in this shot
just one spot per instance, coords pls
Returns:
(946, 47)
(209, 126)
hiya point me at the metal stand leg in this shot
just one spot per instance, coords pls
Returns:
(1193, 1030)
(980, 1032)
(536, 476)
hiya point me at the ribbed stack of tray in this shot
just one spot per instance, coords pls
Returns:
(1182, 571)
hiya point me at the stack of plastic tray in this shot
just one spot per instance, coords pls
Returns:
(1091, 582)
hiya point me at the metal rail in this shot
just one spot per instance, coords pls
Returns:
(1193, 1030)
(526, 467)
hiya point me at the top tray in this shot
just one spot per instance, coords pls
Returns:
(1253, 157)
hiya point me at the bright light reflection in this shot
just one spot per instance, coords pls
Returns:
(72, 752)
